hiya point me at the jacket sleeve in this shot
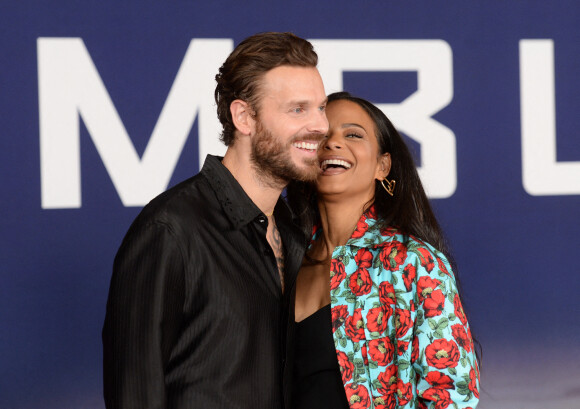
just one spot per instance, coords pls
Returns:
(443, 354)
(144, 311)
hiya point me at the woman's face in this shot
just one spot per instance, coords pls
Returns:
(349, 156)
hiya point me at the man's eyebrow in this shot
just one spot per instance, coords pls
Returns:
(305, 102)
(297, 102)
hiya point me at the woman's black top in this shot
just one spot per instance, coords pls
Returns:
(317, 380)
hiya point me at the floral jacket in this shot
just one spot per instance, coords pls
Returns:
(401, 336)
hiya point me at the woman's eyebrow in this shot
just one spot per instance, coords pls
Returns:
(350, 125)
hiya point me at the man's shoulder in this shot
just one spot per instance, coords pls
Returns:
(180, 205)
(190, 192)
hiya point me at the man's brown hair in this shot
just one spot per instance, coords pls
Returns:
(240, 75)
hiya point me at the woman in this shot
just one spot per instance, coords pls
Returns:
(379, 318)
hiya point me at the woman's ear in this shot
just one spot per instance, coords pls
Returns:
(242, 117)
(383, 166)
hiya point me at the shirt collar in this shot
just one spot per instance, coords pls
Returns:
(368, 232)
(236, 204)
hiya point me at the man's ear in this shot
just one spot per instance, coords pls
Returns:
(383, 166)
(242, 116)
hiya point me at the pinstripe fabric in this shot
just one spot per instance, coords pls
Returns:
(195, 316)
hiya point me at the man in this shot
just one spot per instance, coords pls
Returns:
(197, 312)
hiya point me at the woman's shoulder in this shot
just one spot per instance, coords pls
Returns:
(402, 254)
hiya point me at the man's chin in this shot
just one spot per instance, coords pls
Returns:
(308, 171)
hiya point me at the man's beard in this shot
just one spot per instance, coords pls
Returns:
(273, 163)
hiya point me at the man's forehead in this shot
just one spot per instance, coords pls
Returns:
(298, 84)
(289, 73)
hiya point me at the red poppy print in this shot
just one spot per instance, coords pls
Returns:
(442, 266)
(472, 383)
(442, 354)
(371, 213)
(387, 293)
(339, 316)
(388, 380)
(439, 380)
(382, 351)
(315, 229)
(360, 282)
(384, 325)
(361, 229)
(409, 275)
(393, 255)
(415, 351)
(402, 347)
(461, 337)
(354, 326)
(363, 351)
(470, 338)
(388, 232)
(346, 367)
(403, 322)
(435, 304)
(459, 310)
(363, 258)
(357, 396)
(425, 286)
(441, 397)
(385, 402)
(426, 259)
(378, 319)
(337, 273)
(405, 392)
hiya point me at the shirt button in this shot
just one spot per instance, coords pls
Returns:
(261, 219)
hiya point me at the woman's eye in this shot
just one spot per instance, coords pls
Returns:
(353, 135)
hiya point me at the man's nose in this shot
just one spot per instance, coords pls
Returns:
(319, 123)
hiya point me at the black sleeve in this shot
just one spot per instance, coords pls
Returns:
(143, 318)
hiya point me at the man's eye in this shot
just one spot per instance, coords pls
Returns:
(298, 110)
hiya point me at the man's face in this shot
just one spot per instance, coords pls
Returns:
(290, 124)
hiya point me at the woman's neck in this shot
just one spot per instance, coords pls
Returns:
(338, 220)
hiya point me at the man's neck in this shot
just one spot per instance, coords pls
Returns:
(263, 194)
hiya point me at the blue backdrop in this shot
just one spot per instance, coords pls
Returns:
(86, 87)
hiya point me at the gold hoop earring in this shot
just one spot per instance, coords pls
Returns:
(391, 183)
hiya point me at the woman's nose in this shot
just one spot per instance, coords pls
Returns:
(332, 142)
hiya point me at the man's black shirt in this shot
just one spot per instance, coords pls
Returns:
(196, 317)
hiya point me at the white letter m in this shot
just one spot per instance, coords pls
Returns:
(70, 87)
